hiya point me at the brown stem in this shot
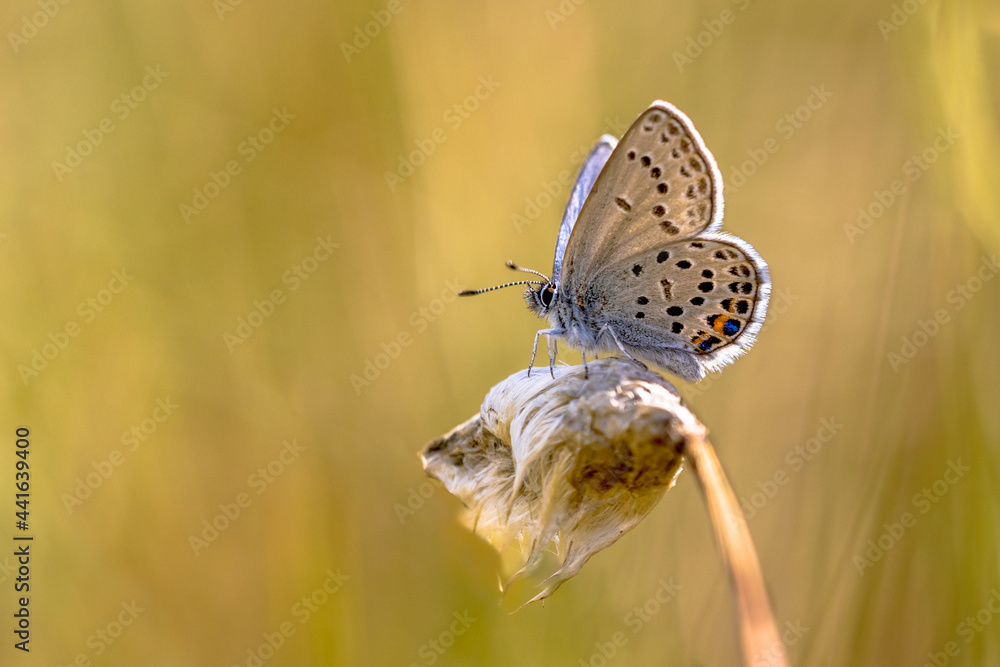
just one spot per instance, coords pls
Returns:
(762, 644)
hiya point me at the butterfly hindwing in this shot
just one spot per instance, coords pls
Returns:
(706, 295)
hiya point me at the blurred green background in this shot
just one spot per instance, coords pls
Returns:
(291, 193)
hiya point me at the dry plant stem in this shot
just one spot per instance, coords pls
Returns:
(758, 631)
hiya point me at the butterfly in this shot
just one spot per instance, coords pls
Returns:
(641, 265)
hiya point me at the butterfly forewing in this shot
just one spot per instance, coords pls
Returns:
(589, 172)
(660, 185)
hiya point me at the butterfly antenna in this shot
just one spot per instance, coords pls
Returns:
(515, 267)
(470, 292)
(511, 265)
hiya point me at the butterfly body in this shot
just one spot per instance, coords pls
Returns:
(640, 264)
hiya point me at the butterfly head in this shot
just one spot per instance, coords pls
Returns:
(541, 297)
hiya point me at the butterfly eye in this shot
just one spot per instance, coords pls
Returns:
(547, 295)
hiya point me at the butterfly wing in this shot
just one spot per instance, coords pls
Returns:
(589, 172)
(646, 257)
(661, 184)
(706, 297)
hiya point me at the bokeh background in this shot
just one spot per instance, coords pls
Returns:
(382, 155)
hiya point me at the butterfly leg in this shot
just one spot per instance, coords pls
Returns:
(552, 352)
(622, 348)
(586, 371)
(552, 357)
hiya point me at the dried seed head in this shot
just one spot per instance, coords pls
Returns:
(574, 460)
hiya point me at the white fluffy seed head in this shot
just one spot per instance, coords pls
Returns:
(572, 460)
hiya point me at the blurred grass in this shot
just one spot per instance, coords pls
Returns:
(848, 305)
